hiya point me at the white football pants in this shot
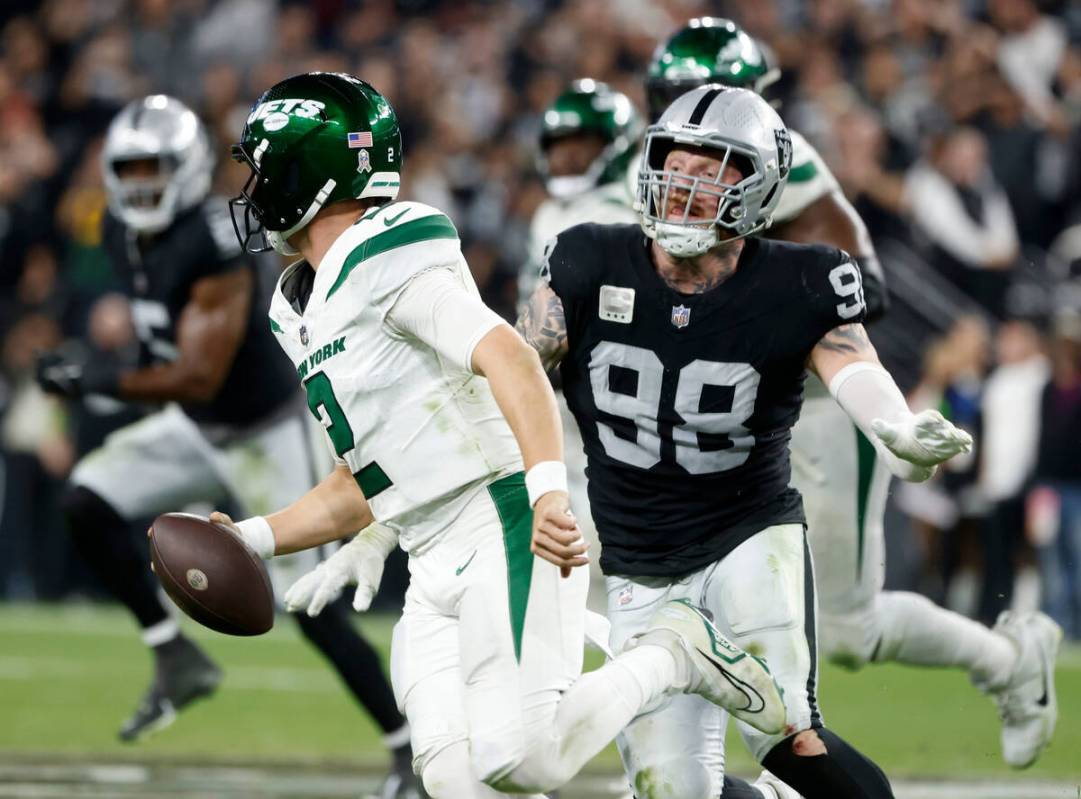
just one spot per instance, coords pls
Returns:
(761, 596)
(486, 661)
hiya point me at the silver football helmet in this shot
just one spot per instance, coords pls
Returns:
(744, 131)
(159, 129)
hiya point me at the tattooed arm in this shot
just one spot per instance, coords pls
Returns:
(544, 327)
(840, 347)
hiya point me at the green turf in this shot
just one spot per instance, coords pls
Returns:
(69, 675)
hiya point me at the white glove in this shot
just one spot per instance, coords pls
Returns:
(925, 439)
(360, 562)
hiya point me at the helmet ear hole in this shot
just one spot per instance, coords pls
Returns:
(743, 164)
(291, 178)
(658, 152)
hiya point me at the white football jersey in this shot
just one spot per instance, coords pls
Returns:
(419, 434)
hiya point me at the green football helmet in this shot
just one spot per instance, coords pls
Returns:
(310, 141)
(590, 107)
(706, 50)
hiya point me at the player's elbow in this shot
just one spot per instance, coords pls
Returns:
(502, 350)
(199, 387)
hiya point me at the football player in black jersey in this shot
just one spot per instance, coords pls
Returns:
(682, 354)
(234, 427)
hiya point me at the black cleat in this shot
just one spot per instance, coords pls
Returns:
(182, 674)
(401, 783)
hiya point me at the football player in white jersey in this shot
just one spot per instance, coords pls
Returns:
(844, 485)
(434, 407)
(231, 420)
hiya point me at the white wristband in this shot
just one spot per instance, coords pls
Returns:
(257, 534)
(544, 477)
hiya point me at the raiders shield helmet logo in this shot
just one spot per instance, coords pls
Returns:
(784, 152)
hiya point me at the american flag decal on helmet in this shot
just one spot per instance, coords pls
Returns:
(359, 139)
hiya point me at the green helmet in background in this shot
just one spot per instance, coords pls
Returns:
(310, 141)
(589, 107)
(706, 50)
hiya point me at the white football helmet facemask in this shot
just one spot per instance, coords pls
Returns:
(743, 130)
(162, 129)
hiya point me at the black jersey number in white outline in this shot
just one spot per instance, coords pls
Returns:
(643, 409)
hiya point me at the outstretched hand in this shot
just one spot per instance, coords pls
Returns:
(925, 439)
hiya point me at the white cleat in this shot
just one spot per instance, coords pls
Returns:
(771, 787)
(1027, 703)
(721, 671)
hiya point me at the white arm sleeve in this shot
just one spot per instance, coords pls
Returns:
(867, 392)
(437, 308)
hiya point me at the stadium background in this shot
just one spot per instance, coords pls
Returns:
(921, 108)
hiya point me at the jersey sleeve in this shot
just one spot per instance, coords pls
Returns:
(397, 244)
(437, 308)
(566, 269)
(834, 290)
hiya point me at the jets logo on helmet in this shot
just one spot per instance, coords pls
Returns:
(300, 144)
(742, 130)
(275, 114)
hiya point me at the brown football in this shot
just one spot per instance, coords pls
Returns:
(211, 574)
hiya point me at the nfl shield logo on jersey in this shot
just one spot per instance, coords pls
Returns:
(681, 315)
(304, 337)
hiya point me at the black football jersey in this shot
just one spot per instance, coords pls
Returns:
(158, 273)
(686, 401)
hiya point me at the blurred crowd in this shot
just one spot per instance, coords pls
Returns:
(954, 126)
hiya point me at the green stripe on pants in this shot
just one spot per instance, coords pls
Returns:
(512, 504)
(865, 455)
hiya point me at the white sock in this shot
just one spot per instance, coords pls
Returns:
(919, 632)
(593, 711)
(160, 633)
(648, 672)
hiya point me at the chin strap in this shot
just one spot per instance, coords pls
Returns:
(279, 240)
(685, 241)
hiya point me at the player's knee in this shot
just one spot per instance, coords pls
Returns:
(447, 774)
(808, 744)
(87, 512)
(849, 639)
(681, 778)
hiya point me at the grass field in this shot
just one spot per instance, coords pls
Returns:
(69, 675)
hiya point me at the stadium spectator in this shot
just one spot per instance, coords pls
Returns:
(1057, 476)
(965, 215)
(1011, 427)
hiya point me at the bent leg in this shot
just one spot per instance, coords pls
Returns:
(534, 719)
